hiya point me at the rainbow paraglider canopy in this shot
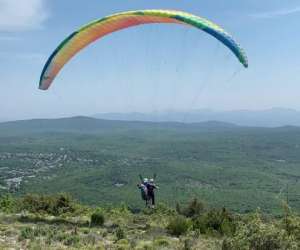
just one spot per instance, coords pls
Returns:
(104, 26)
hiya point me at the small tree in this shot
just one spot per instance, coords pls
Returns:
(178, 226)
(193, 209)
(7, 203)
(215, 221)
(97, 219)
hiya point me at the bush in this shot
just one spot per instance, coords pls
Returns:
(178, 226)
(7, 203)
(63, 203)
(26, 233)
(258, 235)
(54, 205)
(120, 234)
(38, 231)
(41, 231)
(161, 242)
(291, 223)
(71, 240)
(97, 219)
(215, 221)
(193, 209)
(163, 209)
(294, 226)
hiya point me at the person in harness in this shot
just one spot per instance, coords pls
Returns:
(150, 192)
(147, 190)
(144, 192)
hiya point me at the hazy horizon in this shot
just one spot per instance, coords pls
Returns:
(155, 112)
(274, 117)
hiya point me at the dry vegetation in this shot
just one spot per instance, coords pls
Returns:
(58, 222)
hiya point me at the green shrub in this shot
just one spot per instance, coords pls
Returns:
(178, 226)
(7, 203)
(294, 226)
(120, 234)
(41, 231)
(97, 219)
(258, 235)
(215, 221)
(53, 204)
(52, 234)
(163, 209)
(161, 242)
(26, 233)
(193, 209)
(63, 203)
(71, 240)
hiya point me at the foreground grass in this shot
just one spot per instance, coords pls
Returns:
(133, 232)
(57, 222)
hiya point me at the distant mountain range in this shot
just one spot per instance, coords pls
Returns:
(203, 120)
(82, 124)
(274, 117)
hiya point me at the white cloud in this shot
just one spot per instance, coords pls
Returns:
(20, 15)
(276, 13)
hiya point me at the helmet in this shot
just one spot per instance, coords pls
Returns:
(151, 180)
(145, 180)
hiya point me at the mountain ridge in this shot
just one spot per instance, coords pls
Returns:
(84, 124)
(274, 117)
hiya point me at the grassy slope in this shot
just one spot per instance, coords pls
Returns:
(58, 222)
(138, 231)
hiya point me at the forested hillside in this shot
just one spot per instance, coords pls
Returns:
(99, 162)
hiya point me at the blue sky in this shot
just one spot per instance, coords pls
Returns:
(149, 68)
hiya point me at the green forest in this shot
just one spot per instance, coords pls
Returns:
(98, 162)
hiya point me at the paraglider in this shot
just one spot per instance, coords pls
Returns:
(147, 187)
(104, 26)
